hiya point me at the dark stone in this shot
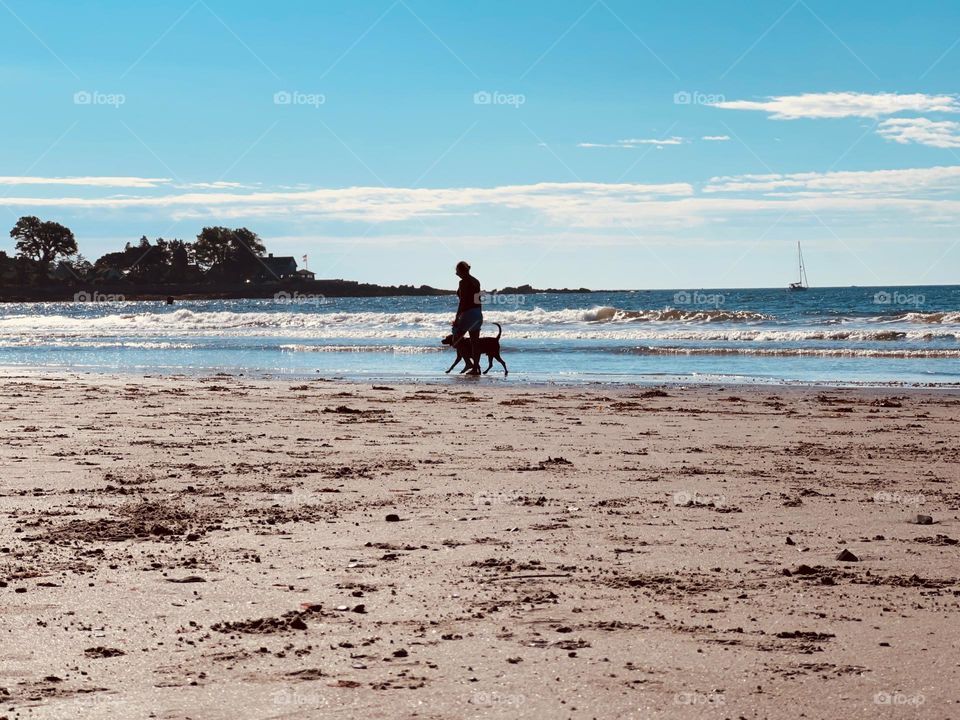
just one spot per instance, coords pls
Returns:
(298, 624)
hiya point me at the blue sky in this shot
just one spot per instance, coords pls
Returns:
(606, 143)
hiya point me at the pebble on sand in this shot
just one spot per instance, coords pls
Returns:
(847, 556)
(922, 520)
(393, 517)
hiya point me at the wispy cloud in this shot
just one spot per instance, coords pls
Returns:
(98, 181)
(635, 142)
(381, 204)
(872, 197)
(716, 138)
(844, 104)
(218, 185)
(922, 131)
(888, 183)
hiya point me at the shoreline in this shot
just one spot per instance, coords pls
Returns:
(455, 380)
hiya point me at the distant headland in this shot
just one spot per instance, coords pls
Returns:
(222, 263)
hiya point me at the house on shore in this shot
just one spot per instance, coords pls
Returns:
(277, 268)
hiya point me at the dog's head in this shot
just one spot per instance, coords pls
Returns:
(448, 340)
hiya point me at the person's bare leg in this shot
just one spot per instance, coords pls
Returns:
(475, 351)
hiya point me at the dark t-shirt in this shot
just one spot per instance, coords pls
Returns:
(469, 294)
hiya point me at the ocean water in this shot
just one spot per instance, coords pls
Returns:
(907, 335)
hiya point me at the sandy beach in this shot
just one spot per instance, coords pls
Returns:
(229, 548)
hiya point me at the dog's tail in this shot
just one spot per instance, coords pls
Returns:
(499, 330)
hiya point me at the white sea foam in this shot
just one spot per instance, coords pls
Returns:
(395, 349)
(189, 320)
(797, 352)
(173, 330)
(89, 344)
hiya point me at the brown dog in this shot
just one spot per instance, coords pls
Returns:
(489, 346)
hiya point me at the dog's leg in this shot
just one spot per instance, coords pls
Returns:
(489, 364)
(460, 356)
(465, 356)
(500, 360)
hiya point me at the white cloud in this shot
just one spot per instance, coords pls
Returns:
(888, 183)
(635, 142)
(100, 181)
(716, 138)
(666, 141)
(218, 185)
(845, 104)
(869, 197)
(569, 201)
(922, 131)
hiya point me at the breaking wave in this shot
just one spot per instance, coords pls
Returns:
(387, 324)
(928, 318)
(396, 349)
(307, 318)
(797, 352)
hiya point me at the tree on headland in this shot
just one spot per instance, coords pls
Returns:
(76, 268)
(180, 253)
(43, 240)
(229, 253)
(159, 261)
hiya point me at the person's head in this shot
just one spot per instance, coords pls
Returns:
(463, 268)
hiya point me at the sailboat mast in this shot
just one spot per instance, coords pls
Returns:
(803, 270)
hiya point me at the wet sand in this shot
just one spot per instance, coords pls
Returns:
(228, 548)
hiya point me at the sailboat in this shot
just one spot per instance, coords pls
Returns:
(802, 283)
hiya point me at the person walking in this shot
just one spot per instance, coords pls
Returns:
(469, 316)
